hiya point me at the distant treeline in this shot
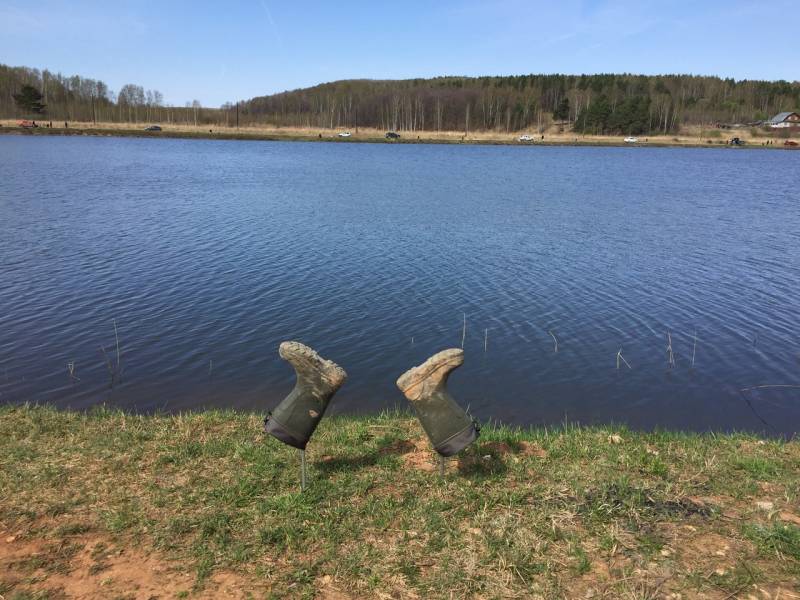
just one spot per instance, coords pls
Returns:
(629, 104)
(591, 103)
(77, 98)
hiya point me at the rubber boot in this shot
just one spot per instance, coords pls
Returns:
(294, 420)
(448, 426)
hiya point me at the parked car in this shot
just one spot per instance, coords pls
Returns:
(737, 142)
(392, 135)
(525, 138)
(153, 128)
(27, 124)
(790, 143)
(631, 139)
(345, 134)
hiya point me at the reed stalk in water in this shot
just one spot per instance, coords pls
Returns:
(671, 357)
(622, 358)
(555, 341)
(464, 331)
(71, 371)
(109, 365)
(116, 337)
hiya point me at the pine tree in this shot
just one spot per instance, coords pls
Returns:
(561, 113)
(29, 100)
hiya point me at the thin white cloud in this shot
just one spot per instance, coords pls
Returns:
(276, 34)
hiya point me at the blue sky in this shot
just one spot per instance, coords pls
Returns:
(219, 51)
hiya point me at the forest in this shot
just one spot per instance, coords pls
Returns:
(600, 104)
(76, 98)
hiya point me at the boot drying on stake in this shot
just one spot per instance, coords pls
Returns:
(448, 426)
(294, 420)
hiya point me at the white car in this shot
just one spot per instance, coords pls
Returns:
(525, 138)
(344, 134)
(631, 140)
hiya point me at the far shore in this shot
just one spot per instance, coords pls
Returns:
(697, 138)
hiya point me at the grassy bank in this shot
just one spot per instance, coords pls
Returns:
(691, 138)
(108, 505)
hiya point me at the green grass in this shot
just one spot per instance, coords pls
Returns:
(522, 513)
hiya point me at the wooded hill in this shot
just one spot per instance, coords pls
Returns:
(591, 103)
(609, 104)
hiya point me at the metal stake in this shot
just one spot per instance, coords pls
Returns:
(441, 465)
(302, 470)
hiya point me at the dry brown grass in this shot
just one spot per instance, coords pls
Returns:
(690, 136)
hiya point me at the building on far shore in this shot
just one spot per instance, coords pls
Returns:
(785, 119)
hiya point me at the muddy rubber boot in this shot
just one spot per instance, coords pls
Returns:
(297, 416)
(448, 426)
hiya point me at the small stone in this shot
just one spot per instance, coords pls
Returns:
(10, 538)
(615, 439)
(666, 552)
(765, 505)
(720, 571)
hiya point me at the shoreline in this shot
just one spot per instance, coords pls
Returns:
(375, 137)
(206, 505)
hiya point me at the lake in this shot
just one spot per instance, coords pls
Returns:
(207, 254)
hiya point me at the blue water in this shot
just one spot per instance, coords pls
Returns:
(208, 254)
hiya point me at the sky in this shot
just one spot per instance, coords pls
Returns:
(234, 50)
